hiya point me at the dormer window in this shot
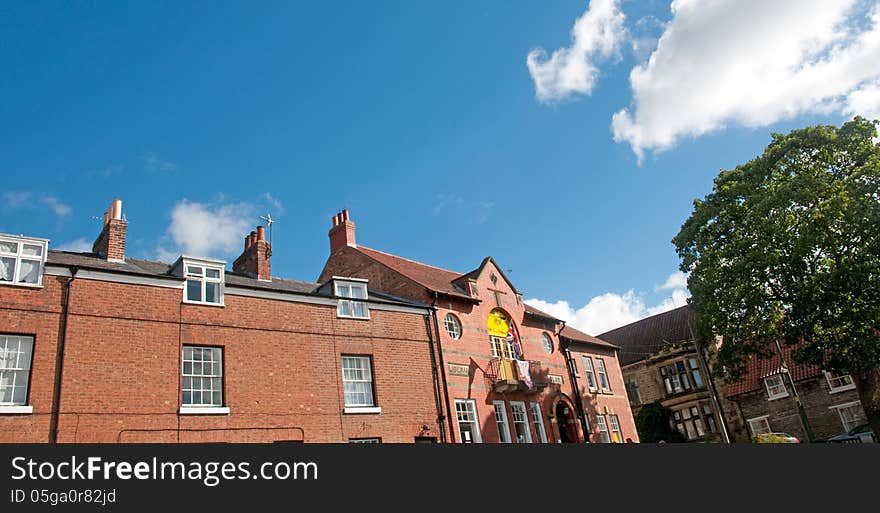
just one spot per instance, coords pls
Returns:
(352, 296)
(204, 282)
(22, 260)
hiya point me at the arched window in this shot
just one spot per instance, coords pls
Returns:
(547, 342)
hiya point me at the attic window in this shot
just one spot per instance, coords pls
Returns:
(352, 299)
(22, 260)
(493, 278)
(204, 283)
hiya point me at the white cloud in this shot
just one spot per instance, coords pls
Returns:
(80, 245)
(610, 310)
(152, 163)
(207, 230)
(752, 63)
(28, 200)
(597, 35)
(676, 280)
(55, 205)
(273, 202)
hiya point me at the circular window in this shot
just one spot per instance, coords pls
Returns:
(453, 326)
(548, 343)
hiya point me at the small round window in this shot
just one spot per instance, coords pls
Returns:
(453, 326)
(548, 343)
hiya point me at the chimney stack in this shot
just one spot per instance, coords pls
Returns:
(254, 260)
(342, 232)
(110, 244)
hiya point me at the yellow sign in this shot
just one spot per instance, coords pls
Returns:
(497, 324)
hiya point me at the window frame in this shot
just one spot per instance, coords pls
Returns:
(592, 382)
(25, 407)
(18, 256)
(350, 301)
(472, 410)
(856, 421)
(527, 431)
(501, 408)
(614, 421)
(770, 395)
(538, 421)
(360, 408)
(457, 324)
(604, 434)
(605, 383)
(204, 280)
(830, 376)
(752, 421)
(545, 339)
(202, 408)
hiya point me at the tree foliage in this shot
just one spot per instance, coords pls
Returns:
(787, 247)
(653, 424)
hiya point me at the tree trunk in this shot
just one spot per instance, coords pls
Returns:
(868, 386)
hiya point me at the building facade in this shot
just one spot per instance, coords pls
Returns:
(662, 363)
(505, 365)
(99, 347)
(769, 391)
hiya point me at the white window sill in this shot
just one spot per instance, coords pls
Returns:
(16, 410)
(842, 389)
(775, 397)
(202, 303)
(362, 409)
(204, 410)
(367, 318)
(23, 285)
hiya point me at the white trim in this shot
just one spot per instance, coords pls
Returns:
(844, 405)
(346, 278)
(203, 303)
(526, 420)
(362, 409)
(16, 409)
(844, 388)
(500, 407)
(765, 418)
(56, 270)
(203, 260)
(130, 280)
(204, 410)
(771, 397)
(294, 297)
(478, 436)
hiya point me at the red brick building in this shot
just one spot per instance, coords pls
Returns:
(98, 347)
(508, 368)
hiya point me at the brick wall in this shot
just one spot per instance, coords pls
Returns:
(282, 375)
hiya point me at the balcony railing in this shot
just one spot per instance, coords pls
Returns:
(503, 375)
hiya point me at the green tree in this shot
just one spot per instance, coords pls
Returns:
(653, 424)
(787, 247)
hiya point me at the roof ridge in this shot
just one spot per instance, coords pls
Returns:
(411, 260)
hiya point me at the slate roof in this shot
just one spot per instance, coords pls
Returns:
(579, 336)
(163, 270)
(647, 336)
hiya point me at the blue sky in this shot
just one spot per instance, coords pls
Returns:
(426, 122)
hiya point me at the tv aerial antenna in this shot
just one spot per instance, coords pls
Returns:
(269, 221)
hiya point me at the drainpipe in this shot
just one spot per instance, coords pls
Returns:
(442, 368)
(438, 402)
(572, 377)
(59, 360)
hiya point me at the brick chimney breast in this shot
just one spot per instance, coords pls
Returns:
(110, 243)
(254, 261)
(342, 232)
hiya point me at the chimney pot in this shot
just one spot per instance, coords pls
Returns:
(345, 214)
(261, 232)
(254, 260)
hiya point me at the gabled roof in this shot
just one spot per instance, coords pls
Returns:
(649, 335)
(531, 310)
(759, 368)
(579, 336)
(432, 278)
(473, 275)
